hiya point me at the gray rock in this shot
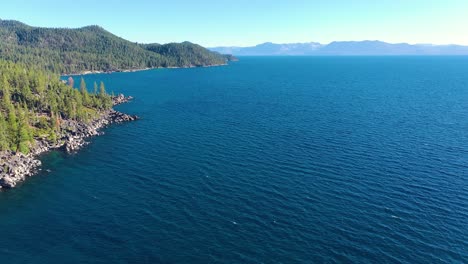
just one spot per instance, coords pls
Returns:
(15, 167)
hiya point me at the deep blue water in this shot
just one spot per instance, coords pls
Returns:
(268, 160)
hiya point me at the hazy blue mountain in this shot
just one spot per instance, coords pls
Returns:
(269, 48)
(344, 48)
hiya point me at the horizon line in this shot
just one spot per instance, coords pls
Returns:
(243, 46)
(334, 41)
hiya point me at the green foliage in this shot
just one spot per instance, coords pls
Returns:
(95, 88)
(105, 99)
(33, 102)
(185, 54)
(3, 134)
(23, 134)
(92, 48)
(84, 93)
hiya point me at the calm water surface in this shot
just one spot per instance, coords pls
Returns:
(269, 160)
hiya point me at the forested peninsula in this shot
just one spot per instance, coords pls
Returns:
(93, 49)
(40, 112)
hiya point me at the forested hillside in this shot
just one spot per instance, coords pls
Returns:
(185, 53)
(92, 48)
(34, 103)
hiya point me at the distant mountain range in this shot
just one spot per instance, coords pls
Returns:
(343, 48)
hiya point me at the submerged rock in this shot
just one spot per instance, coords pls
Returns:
(120, 99)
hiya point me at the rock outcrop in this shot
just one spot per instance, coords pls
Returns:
(15, 167)
(120, 99)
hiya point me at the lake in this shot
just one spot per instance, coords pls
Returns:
(267, 160)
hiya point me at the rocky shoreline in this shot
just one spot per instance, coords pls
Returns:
(16, 167)
(143, 69)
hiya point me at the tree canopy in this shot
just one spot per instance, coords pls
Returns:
(35, 101)
(91, 48)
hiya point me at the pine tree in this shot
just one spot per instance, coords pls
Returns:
(95, 88)
(34, 102)
(102, 90)
(12, 127)
(82, 86)
(106, 101)
(23, 136)
(6, 96)
(84, 93)
(3, 134)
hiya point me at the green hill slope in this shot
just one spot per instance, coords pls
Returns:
(92, 48)
(185, 54)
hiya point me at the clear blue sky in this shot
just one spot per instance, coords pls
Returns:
(249, 22)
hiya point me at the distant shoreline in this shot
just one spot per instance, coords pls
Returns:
(142, 69)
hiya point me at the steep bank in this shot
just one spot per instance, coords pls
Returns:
(16, 167)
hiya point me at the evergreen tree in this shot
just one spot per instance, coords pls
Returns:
(3, 134)
(93, 48)
(102, 90)
(34, 102)
(84, 92)
(105, 99)
(82, 86)
(95, 88)
(6, 96)
(23, 136)
(12, 128)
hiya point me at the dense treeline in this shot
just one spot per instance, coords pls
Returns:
(34, 102)
(185, 54)
(92, 48)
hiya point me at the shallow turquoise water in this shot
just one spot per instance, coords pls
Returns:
(268, 160)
